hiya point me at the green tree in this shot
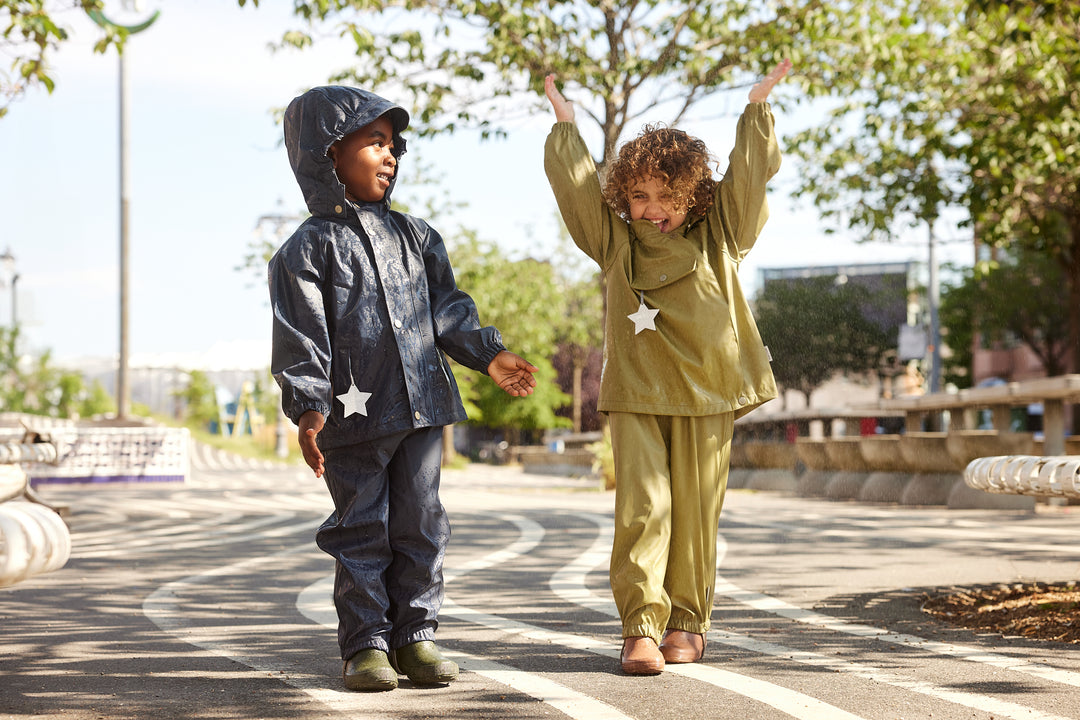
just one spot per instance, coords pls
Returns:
(817, 327)
(480, 64)
(1013, 301)
(523, 300)
(959, 304)
(31, 384)
(96, 401)
(579, 332)
(30, 31)
(200, 399)
(947, 101)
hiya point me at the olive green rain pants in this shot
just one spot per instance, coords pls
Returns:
(670, 477)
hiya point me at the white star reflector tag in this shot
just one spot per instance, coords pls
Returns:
(354, 401)
(644, 318)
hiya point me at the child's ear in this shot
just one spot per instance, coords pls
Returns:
(331, 152)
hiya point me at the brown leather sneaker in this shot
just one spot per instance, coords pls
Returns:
(640, 656)
(680, 646)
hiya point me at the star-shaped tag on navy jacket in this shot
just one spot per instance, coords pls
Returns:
(644, 318)
(354, 400)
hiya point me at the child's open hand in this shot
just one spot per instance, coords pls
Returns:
(512, 373)
(760, 91)
(311, 423)
(564, 109)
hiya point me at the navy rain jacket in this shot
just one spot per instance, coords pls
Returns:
(363, 295)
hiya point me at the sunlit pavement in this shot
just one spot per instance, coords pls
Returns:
(209, 599)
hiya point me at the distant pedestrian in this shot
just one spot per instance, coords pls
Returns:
(365, 304)
(682, 354)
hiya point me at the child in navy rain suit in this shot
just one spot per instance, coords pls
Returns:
(365, 305)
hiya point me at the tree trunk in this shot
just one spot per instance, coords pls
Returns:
(1072, 275)
(449, 454)
(576, 413)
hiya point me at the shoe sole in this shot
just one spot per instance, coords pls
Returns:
(431, 675)
(642, 668)
(356, 682)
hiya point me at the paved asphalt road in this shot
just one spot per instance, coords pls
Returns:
(209, 599)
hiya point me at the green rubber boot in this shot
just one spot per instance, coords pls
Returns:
(423, 663)
(369, 670)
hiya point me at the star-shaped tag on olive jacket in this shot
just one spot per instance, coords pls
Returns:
(354, 400)
(644, 318)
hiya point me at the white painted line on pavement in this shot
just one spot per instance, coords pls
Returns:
(569, 583)
(788, 701)
(569, 702)
(202, 534)
(316, 603)
(775, 606)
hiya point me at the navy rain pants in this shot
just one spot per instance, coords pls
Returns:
(388, 534)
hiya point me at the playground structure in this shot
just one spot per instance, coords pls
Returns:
(237, 415)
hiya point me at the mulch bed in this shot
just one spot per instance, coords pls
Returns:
(1038, 611)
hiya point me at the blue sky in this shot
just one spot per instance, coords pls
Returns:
(206, 163)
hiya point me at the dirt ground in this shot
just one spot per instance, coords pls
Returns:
(1037, 611)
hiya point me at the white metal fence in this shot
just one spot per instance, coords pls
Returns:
(1055, 476)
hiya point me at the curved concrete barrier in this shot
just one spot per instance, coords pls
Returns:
(812, 483)
(928, 452)
(882, 453)
(33, 540)
(928, 489)
(1055, 476)
(739, 458)
(845, 454)
(811, 453)
(770, 455)
(967, 445)
(884, 487)
(845, 485)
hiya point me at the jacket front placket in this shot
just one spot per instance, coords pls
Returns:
(391, 262)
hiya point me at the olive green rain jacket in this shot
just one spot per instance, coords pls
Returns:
(705, 356)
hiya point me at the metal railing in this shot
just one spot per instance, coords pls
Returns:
(1044, 476)
(33, 537)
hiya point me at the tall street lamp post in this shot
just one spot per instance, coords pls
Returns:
(9, 266)
(123, 391)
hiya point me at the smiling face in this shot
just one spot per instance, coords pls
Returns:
(364, 160)
(651, 200)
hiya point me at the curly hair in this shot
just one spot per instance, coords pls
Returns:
(680, 161)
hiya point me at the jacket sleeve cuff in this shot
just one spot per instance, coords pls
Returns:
(488, 355)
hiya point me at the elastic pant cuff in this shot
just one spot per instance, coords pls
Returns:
(642, 631)
(690, 626)
(415, 636)
(376, 642)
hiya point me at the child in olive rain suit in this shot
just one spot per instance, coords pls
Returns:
(365, 305)
(682, 354)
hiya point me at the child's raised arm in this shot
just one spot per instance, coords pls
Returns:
(760, 91)
(564, 109)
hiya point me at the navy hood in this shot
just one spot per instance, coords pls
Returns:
(316, 120)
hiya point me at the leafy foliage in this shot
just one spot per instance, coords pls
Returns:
(200, 400)
(30, 30)
(523, 300)
(816, 327)
(32, 385)
(1017, 300)
(480, 64)
(973, 104)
